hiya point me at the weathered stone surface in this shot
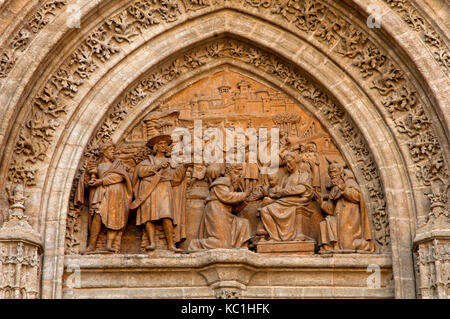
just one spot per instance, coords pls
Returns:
(251, 275)
(381, 96)
(295, 248)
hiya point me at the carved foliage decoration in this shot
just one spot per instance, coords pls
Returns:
(411, 16)
(311, 17)
(37, 133)
(20, 41)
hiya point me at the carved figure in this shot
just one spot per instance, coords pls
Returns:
(284, 200)
(219, 227)
(347, 225)
(159, 188)
(110, 193)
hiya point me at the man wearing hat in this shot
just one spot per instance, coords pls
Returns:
(159, 188)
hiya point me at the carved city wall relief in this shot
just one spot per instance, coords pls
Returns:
(201, 204)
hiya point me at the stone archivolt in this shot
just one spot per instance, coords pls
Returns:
(311, 17)
(377, 70)
(36, 21)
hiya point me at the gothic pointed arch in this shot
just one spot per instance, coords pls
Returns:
(378, 92)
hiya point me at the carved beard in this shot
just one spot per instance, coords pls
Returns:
(335, 193)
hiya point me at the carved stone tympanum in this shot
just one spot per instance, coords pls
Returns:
(226, 163)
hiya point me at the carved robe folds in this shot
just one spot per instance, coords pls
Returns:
(110, 200)
(279, 216)
(161, 194)
(347, 227)
(219, 228)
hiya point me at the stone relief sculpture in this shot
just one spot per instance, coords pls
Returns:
(303, 206)
(280, 207)
(110, 194)
(219, 227)
(155, 181)
(347, 225)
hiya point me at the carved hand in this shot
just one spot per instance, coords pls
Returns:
(275, 192)
(253, 197)
(95, 182)
(164, 164)
(335, 193)
(91, 168)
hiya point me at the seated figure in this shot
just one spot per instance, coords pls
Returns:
(293, 194)
(219, 227)
(347, 225)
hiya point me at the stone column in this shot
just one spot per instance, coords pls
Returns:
(20, 251)
(432, 246)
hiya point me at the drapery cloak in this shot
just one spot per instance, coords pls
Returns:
(348, 221)
(219, 228)
(160, 194)
(278, 217)
(110, 200)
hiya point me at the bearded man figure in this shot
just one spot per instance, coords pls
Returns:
(219, 227)
(110, 194)
(347, 225)
(293, 193)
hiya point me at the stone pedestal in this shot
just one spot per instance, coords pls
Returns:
(286, 247)
(227, 273)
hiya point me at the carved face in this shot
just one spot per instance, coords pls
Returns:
(273, 179)
(109, 153)
(335, 177)
(235, 175)
(291, 163)
(161, 147)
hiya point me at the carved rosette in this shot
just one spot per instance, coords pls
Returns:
(20, 249)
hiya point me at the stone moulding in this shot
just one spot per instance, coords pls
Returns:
(223, 273)
(18, 43)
